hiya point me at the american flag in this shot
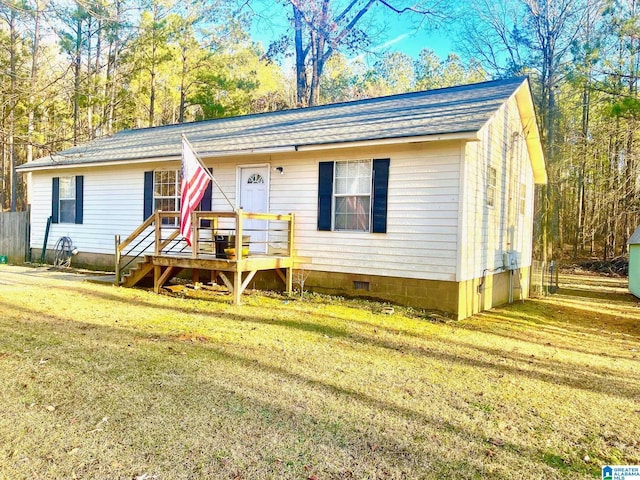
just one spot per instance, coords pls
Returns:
(195, 179)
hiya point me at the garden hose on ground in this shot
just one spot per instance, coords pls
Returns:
(63, 252)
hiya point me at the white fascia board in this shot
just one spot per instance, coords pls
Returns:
(469, 136)
(250, 151)
(34, 168)
(466, 136)
(256, 151)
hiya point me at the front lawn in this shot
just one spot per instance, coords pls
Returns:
(105, 382)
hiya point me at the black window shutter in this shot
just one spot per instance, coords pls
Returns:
(206, 202)
(380, 190)
(55, 200)
(325, 194)
(148, 194)
(79, 197)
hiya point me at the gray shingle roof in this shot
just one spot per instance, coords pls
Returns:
(635, 237)
(451, 110)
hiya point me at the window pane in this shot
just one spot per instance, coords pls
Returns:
(352, 169)
(166, 192)
(341, 169)
(364, 169)
(157, 183)
(491, 196)
(492, 177)
(68, 188)
(165, 183)
(67, 211)
(364, 185)
(352, 213)
(353, 177)
(166, 204)
(352, 190)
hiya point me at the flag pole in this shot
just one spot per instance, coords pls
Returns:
(213, 179)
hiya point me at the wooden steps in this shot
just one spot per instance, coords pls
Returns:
(139, 272)
(159, 234)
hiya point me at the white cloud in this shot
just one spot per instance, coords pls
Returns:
(380, 47)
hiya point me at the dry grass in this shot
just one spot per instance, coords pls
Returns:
(101, 382)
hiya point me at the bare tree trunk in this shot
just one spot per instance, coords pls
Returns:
(3, 152)
(35, 51)
(90, 81)
(580, 194)
(13, 41)
(152, 95)
(96, 77)
(183, 84)
(301, 55)
(76, 73)
(318, 67)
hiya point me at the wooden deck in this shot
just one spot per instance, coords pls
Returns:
(155, 249)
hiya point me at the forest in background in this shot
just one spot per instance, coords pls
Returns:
(73, 71)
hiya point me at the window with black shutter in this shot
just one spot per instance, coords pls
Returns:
(352, 195)
(67, 199)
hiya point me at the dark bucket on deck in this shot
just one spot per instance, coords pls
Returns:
(228, 241)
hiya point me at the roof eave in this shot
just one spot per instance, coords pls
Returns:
(468, 136)
(463, 136)
(532, 133)
(26, 167)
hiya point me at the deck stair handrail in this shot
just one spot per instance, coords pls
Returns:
(151, 237)
(145, 239)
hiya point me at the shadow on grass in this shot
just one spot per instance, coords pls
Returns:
(565, 316)
(553, 372)
(392, 452)
(583, 377)
(598, 295)
(550, 371)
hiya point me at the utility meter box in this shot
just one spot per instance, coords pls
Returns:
(510, 260)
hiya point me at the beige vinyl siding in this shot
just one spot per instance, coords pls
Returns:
(113, 199)
(422, 218)
(487, 232)
(422, 211)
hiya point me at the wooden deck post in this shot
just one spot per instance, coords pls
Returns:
(237, 277)
(291, 253)
(118, 259)
(158, 231)
(195, 228)
(157, 273)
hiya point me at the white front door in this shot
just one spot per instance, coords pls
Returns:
(254, 198)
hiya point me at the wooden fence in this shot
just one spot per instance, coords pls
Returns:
(14, 236)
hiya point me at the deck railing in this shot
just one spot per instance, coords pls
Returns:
(217, 235)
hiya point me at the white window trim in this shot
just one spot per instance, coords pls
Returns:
(176, 197)
(522, 204)
(493, 188)
(72, 197)
(334, 195)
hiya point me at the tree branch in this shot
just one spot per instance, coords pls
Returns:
(406, 9)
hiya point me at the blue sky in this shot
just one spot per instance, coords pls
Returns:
(406, 39)
(400, 32)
